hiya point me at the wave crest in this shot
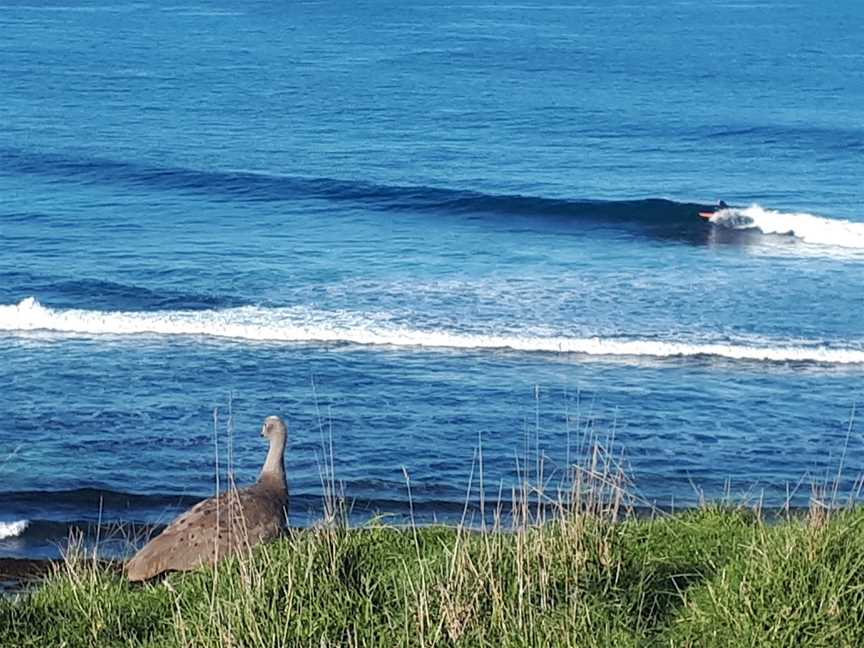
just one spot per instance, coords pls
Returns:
(809, 228)
(302, 325)
(256, 186)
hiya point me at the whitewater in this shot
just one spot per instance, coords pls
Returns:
(809, 228)
(13, 529)
(304, 325)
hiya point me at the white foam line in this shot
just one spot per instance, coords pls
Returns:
(302, 325)
(12, 529)
(809, 228)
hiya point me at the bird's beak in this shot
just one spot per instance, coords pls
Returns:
(263, 430)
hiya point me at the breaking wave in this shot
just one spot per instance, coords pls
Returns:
(658, 217)
(303, 325)
(809, 228)
(12, 529)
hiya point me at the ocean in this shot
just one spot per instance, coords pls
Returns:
(425, 234)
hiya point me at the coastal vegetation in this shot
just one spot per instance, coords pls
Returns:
(591, 574)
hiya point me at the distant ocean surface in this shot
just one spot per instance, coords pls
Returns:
(415, 229)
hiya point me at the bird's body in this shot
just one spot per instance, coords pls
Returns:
(217, 527)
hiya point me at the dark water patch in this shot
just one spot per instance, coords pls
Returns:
(49, 539)
(88, 504)
(101, 294)
(24, 217)
(807, 136)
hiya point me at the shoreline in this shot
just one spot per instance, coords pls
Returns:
(16, 574)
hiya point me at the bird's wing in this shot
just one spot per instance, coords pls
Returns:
(210, 530)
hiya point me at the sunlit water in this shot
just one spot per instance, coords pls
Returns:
(418, 230)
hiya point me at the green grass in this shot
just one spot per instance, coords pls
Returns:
(708, 577)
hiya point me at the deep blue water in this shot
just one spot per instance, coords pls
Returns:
(418, 229)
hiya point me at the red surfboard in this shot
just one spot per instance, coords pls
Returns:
(706, 215)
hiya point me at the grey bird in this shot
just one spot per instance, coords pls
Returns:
(220, 526)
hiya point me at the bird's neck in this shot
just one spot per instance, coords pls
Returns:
(273, 472)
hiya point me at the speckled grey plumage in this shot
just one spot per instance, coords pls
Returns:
(217, 527)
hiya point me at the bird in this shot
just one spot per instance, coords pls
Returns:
(231, 521)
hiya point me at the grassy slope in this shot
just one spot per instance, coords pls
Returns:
(704, 578)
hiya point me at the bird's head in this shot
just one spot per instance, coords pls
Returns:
(273, 428)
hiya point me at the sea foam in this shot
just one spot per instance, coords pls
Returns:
(809, 228)
(303, 325)
(12, 529)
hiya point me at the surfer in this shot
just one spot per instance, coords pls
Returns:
(720, 206)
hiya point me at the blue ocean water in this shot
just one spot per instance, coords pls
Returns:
(417, 229)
